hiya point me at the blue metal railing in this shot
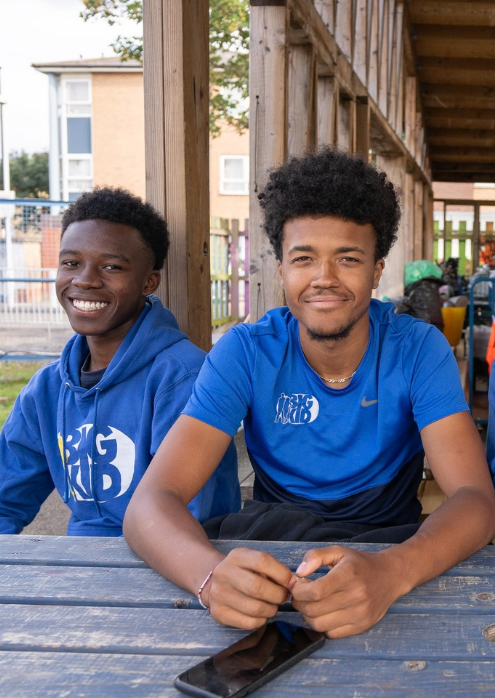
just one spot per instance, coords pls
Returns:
(490, 299)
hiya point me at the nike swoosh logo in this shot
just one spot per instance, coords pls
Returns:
(367, 403)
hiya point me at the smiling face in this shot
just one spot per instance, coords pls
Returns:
(105, 273)
(328, 271)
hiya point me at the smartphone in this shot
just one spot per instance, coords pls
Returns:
(251, 662)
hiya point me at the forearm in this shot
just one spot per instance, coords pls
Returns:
(161, 530)
(457, 529)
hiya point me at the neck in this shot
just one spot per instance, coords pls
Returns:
(335, 359)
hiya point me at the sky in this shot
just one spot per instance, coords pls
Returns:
(38, 31)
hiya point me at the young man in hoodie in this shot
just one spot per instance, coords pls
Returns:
(90, 423)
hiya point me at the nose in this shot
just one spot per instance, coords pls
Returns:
(87, 277)
(325, 276)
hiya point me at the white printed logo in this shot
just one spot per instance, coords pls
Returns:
(114, 455)
(298, 408)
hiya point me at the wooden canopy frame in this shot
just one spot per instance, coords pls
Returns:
(342, 72)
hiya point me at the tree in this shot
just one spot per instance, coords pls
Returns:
(29, 175)
(229, 53)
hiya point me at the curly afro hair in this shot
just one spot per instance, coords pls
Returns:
(330, 182)
(120, 206)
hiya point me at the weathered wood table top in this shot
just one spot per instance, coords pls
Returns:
(85, 617)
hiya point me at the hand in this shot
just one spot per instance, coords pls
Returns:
(353, 596)
(247, 588)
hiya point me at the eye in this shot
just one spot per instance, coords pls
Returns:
(112, 267)
(303, 258)
(350, 260)
(68, 263)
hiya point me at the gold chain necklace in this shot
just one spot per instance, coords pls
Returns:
(337, 380)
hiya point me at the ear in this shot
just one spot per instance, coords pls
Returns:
(152, 282)
(379, 267)
(279, 269)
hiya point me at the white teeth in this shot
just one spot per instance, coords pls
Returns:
(88, 305)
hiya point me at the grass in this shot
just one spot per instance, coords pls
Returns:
(13, 377)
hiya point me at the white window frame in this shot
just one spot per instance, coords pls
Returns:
(244, 181)
(65, 156)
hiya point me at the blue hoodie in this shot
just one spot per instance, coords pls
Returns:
(117, 426)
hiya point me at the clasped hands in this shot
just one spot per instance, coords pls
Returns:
(248, 586)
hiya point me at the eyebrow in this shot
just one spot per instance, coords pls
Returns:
(339, 250)
(105, 255)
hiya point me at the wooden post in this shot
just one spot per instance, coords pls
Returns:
(346, 125)
(392, 281)
(328, 94)
(176, 135)
(418, 220)
(363, 127)
(234, 263)
(301, 98)
(428, 216)
(267, 135)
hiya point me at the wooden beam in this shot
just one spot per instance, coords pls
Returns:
(346, 125)
(461, 137)
(373, 51)
(363, 133)
(301, 98)
(457, 71)
(478, 119)
(177, 125)
(458, 96)
(466, 177)
(469, 13)
(473, 166)
(383, 76)
(360, 53)
(326, 10)
(418, 219)
(450, 154)
(343, 27)
(268, 142)
(454, 42)
(328, 95)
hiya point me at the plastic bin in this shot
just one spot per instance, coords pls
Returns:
(453, 320)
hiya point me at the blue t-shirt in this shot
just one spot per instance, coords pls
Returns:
(351, 454)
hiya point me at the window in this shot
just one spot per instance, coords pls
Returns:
(234, 174)
(76, 136)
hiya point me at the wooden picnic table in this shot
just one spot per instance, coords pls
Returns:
(85, 617)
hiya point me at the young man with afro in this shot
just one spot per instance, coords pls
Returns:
(340, 397)
(90, 423)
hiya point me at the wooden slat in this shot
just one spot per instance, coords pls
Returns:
(461, 137)
(454, 42)
(360, 53)
(114, 552)
(458, 71)
(458, 96)
(144, 588)
(76, 675)
(174, 632)
(301, 98)
(268, 144)
(327, 98)
(466, 13)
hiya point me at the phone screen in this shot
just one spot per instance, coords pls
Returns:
(250, 662)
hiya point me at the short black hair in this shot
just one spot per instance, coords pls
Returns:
(120, 206)
(330, 182)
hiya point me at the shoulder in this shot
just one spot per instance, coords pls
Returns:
(275, 323)
(182, 357)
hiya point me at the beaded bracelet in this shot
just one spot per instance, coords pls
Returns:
(202, 587)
